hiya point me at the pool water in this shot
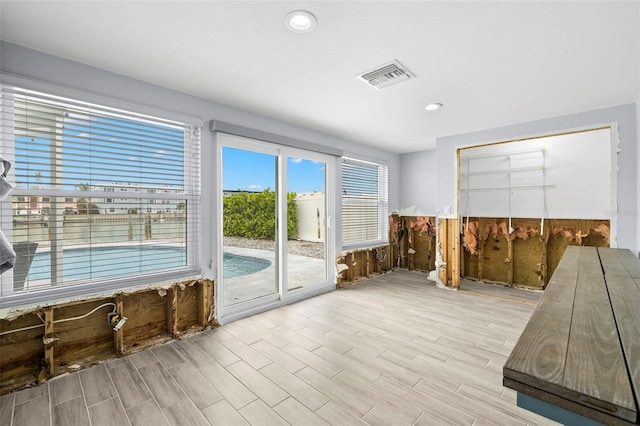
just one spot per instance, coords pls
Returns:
(102, 262)
(236, 265)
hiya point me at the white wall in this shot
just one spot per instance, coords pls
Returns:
(624, 117)
(41, 67)
(418, 178)
(637, 211)
(311, 214)
(576, 174)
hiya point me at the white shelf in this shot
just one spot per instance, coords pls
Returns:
(503, 155)
(505, 172)
(507, 188)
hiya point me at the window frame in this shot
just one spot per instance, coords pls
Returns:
(382, 204)
(192, 192)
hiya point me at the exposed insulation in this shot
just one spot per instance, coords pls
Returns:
(525, 232)
(394, 228)
(421, 243)
(495, 228)
(422, 224)
(528, 266)
(470, 237)
(496, 259)
(598, 236)
(524, 257)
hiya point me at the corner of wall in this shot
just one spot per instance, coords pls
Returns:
(638, 173)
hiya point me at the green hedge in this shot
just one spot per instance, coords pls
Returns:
(252, 215)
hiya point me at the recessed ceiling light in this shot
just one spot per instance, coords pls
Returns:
(433, 107)
(300, 21)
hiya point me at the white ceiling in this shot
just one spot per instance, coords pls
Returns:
(490, 63)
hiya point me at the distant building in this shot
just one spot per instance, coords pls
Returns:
(227, 192)
(113, 204)
(33, 205)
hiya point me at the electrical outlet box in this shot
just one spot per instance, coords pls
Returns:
(113, 318)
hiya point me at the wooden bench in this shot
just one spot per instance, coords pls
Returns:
(580, 351)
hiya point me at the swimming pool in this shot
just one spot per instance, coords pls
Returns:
(102, 262)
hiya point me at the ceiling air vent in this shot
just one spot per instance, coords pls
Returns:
(387, 75)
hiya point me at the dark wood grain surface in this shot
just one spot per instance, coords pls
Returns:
(624, 293)
(595, 368)
(582, 343)
(619, 262)
(539, 356)
(612, 263)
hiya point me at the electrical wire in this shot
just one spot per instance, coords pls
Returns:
(59, 321)
(88, 313)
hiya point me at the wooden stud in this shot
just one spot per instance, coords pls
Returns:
(462, 254)
(442, 248)
(367, 260)
(480, 256)
(455, 253)
(49, 340)
(118, 335)
(509, 261)
(543, 267)
(203, 302)
(172, 311)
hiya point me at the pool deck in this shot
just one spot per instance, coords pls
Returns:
(302, 271)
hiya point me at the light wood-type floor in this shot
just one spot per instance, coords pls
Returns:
(393, 350)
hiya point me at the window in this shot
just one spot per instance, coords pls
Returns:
(365, 207)
(69, 153)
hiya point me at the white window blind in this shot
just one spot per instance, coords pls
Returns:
(102, 196)
(365, 205)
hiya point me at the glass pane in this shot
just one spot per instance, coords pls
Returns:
(249, 225)
(306, 262)
(66, 240)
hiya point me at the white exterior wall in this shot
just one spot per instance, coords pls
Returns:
(311, 216)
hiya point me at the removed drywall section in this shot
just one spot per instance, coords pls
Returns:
(529, 254)
(52, 340)
(359, 264)
(623, 118)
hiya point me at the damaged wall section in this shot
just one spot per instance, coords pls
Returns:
(529, 254)
(412, 245)
(52, 340)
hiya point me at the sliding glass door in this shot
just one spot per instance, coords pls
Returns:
(273, 224)
(306, 247)
(249, 225)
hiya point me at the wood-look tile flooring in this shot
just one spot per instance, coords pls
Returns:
(393, 350)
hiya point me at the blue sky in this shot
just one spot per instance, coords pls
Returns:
(253, 171)
(101, 149)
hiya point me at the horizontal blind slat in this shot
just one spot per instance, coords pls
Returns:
(103, 193)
